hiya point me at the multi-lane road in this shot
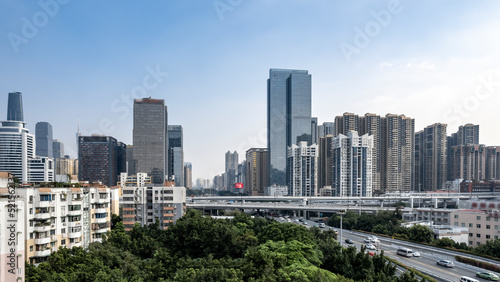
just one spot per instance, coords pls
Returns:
(426, 263)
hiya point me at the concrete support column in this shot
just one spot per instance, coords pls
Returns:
(435, 203)
(411, 202)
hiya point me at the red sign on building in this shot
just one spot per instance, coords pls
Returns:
(238, 185)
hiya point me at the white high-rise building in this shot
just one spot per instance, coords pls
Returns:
(352, 165)
(303, 170)
(17, 145)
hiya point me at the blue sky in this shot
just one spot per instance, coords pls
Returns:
(435, 61)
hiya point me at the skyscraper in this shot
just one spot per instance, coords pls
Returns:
(352, 165)
(176, 154)
(16, 148)
(303, 164)
(43, 135)
(325, 162)
(288, 118)
(15, 107)
(57, 149)
(231, 169)
(98, 159)
(188, 175)
(150, 138)
(314, 130)
(430, 157)
(256, 171)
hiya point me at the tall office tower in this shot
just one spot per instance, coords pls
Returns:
(492, 165)
(43, 134)
(352, 165)
(468, 162)
(288, 118)
(16, 148)
(231, 168)
(98, 159)
(430, 158)
(57, 149)
(188, 175)
(15, 107)
(178, 166)
(325, 162)
(468, 134)
(314, 130)
(176, 154)
(241, 174)
(256, 171)
(397, 153)
(303, 163)
(130, 163)
(150, 138)
(121, 157)
(345, 123)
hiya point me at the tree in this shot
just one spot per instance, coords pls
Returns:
(421, 233)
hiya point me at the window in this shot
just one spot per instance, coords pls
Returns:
(63, 230)
(487, 227)
(478, 243)
(31, 235)
(470, 225)
(496, 227)
(470, 234)
(478, 217)
(496, 237)
(456, 216)
(478, 225)
(488, 218)
(488, 236)
(31, 223)
(463, 224)
(31, 210)
(470, 242)
(31, 248)
(478, 235)
(63, 242)
(456, 224)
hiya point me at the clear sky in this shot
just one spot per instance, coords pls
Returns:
(81, 62)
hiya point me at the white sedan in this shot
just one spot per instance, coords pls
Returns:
(371, 247)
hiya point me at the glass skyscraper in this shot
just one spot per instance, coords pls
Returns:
(43, 135)
(288, 117)
(175, 154)
(150, 138)
(15, 107)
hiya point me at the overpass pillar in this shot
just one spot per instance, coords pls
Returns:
(435, 203)
(381, 203)
(242, 201)
(411, 202)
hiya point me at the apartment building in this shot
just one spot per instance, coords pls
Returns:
(483, 225)
(12, 231)
(145, 205)
(63, 217)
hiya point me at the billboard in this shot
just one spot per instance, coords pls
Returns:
(238, 185)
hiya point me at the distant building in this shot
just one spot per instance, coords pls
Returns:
(57, 149)
(176, 154)
(492, 163)
(16, 148)
(41, 169)
(325, 161)
(188, 175)
(468, 162)
(15, 107)
(231, 169)
(98, 159)
(303, 163)
(43, 134)
(144, 205)
(66, 166)
(150, 138)
(314, 130)
(430, 158)
(256, 171)
(276, 191)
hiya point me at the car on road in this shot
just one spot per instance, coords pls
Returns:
(368, 240)
(349, 241)
(304, 222)
(488, 275)
(446, 263)
(371, 247)
(316, 225)
(416, 254)
(322, 225)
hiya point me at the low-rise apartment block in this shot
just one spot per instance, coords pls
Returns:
(145, 205)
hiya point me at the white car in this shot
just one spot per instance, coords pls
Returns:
(416, 254)
(369, 240)
(371, 247)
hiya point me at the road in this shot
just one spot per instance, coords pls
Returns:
(426, 263)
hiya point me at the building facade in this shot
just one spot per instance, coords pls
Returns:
(98, 159)
(352, 165)
(303, 163)
(15, 107)
(430, 158)
(57, 149)
(176, 154)
(256, 171)
(325, 161)
(17, 146)
(150, 138)
(468, 162)
(288, 118)
(43, 135)
(145, 205)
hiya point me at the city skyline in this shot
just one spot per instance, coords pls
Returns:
(72, 73)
